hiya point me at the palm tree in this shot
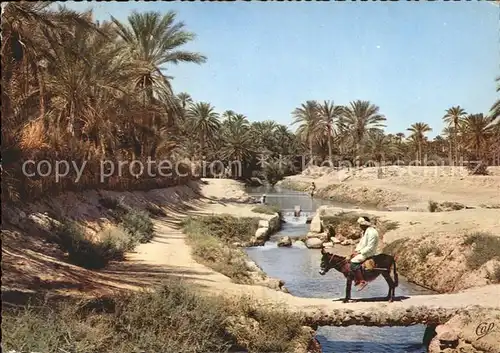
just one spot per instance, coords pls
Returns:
(228, 114)
(361, 117)
(379, 146)
(495, 109)
(184, 99)
(453, 117)
(400, 136)
(153, 40)
(307, 116)
(237, 140)
(418, 131)
(449, 134)
(477, 131)
(329, 116)
(204, 122)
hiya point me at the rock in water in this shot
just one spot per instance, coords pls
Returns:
(316, 225)
(261, 234)
(285, 242)
(299, 244)
(314, 243)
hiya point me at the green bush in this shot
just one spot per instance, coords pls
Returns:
(266, 209)
(86, 253)
(227, 228)
(118, 239)
(210, 238)
(139, 225)
(485, 247)
(172, 319)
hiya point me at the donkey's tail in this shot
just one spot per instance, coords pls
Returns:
(395, 272)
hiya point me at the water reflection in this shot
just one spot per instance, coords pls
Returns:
(298, 267)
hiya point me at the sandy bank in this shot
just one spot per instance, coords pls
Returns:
(410, 186)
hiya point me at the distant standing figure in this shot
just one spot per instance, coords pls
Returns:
(312, 189)
(263, 199)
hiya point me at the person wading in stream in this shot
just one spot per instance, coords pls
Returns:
(312, 189)
(366, 248)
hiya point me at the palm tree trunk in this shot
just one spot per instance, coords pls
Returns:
(330, 147)
(450, 152)
(310, 150)
(202, 145)
(358, 157)
(420, 152)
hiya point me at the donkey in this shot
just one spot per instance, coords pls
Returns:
(380, 265)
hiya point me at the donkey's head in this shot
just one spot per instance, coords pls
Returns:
(326, 261)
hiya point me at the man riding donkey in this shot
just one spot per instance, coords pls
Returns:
(367, 247)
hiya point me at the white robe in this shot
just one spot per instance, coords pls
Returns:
(367, 246)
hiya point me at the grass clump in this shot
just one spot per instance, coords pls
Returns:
(485, 247)
(266, 209)
(171, 319)
(138, 225)
(211, 239)
(445, 206)
(429, 248)
(83, 252)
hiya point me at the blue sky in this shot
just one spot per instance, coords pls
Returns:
(412, 59)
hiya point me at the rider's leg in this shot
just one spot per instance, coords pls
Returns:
(356, 270)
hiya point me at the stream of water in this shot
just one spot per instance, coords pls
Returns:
(299, 266)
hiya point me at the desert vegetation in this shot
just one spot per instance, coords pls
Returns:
(266, 209)
(134, 227)
(484, 247)
(172, 318)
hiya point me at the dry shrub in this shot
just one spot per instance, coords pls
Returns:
(485, 247)
(33, 136)
(111, 245)
(138, 225)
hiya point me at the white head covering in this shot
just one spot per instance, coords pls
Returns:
(363, 222)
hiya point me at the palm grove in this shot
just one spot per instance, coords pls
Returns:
(76, 89)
